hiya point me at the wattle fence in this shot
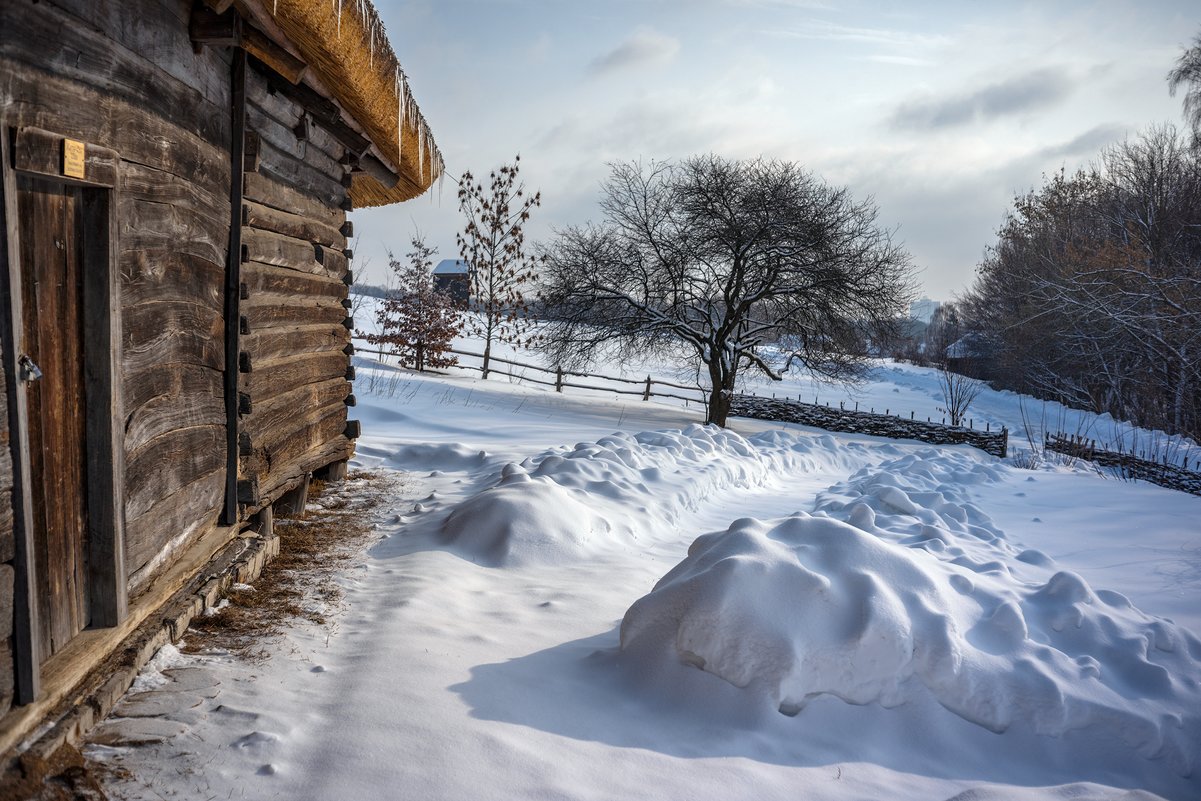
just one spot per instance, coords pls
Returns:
(880, 425)
(1127, 465)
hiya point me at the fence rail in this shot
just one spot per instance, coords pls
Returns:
(646, 391)
(840, 419)
(1127, 464)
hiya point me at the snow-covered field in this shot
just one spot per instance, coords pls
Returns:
(588, 598)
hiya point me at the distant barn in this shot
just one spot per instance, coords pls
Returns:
(175, 339)
(452, 277)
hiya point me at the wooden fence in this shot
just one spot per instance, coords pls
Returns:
(840, 419)
(645, 388)
(880, 425)
(1127, 465)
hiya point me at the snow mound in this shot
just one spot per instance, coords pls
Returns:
(439, 456)
(568, 503)
(896, 589)
(523, 520)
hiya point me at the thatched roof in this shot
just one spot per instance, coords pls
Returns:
(344, 43)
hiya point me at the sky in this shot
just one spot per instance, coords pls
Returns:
(940, 111)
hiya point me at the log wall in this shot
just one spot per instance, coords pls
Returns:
(124, 75)
(295, 335)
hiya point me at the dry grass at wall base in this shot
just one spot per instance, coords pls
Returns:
(300, 585)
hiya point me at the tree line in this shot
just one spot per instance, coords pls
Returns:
(1091, 294)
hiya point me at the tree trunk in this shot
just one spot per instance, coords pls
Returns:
(720, 395)
(487, 355)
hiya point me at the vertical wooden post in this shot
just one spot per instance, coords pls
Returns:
(558, 379)
(25, 608)
(233, 279)
(647, 394)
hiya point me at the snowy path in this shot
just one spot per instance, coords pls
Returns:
(478, 656)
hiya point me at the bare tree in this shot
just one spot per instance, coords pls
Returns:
(736, 264)
(417, 322)
(1093, 291)
(958, 393)
(1187, 74)
(493, 245)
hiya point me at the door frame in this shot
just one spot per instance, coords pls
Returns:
(43, 153)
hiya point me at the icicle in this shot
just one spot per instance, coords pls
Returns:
(402, 95)
(339, 19)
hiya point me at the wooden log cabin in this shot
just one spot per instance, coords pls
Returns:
(174, 268)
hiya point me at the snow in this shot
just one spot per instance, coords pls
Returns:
(583, 597)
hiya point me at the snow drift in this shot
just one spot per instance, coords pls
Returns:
(565, 504)
(915, 594)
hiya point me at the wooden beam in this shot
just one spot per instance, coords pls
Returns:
(41, 152)
(293, 225)
(233, 283)
(213, 28)
(25, 609)
(324, 112)
(281, 62)
(381, 172)
(105, 413)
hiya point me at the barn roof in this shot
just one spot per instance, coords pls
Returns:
(344, 43)
(451, 267)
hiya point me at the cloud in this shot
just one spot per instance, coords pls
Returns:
(830, 31)
(1088, 143)
(646, 46)
(1016, 95)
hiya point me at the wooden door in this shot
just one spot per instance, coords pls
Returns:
(50, 216)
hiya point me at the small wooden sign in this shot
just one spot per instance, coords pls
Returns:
(73, 159)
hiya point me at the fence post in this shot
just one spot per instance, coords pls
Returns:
(558, 379)
(647, 394)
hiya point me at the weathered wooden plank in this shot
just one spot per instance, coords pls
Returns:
(278, 195)
(281, 222)
(267, 278)
(275, 343)
(270, 310)
(149, 225)
(334, 261)
(285, 142)
(286, 112)
(287, 442)
(140, 182)
(55, 42)
(7, 677)
(35, 98)
(161, 276)
(284, 455)
(276, 377)
(270, 419)
(323, 111)
(169, 462)
(281, 251)
(157, 31)
(160, 333)
(257, 491)
(284, 167)
(174, 518)
(186, 399)
(39, 151)
(164, 379)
